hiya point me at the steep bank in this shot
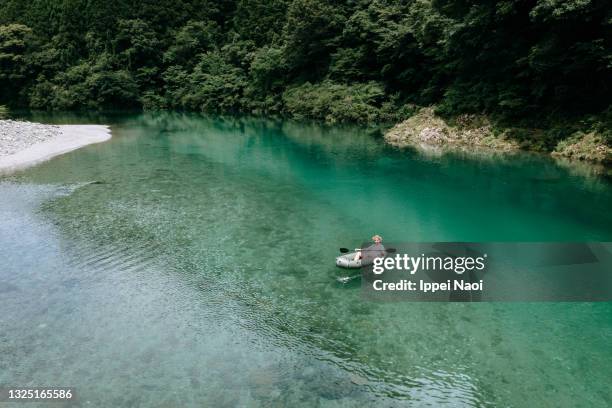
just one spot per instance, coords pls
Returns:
(24, 144)
(475, 133)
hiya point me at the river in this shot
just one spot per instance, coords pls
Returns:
(189, 261)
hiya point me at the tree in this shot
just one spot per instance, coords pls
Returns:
(192, 39)
(311, 31)
(136, 44)
(15, 41)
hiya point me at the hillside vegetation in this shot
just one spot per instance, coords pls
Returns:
(544, 62)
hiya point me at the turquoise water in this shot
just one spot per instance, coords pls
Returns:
(199, 272)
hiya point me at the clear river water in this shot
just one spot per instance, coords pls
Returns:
(198, 270)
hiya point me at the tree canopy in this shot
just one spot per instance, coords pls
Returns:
(354, 60)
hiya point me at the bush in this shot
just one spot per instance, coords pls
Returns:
(335, 102)
(151, 102)
(215, 85)
(585, 146)
(86, 85)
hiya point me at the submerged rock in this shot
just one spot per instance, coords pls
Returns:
(6, 287)
(96, 182)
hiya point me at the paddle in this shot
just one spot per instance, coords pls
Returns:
(347, 279)
(387, 250)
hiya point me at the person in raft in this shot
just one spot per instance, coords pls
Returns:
(375, 250)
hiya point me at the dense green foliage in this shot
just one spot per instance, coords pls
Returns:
(353, 60)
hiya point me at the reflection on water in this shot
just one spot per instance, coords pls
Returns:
(198, 270)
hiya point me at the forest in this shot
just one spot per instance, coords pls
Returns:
(363, 61)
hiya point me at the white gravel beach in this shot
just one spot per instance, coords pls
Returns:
(24, 144)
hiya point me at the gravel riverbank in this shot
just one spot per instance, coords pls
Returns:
(24, 144)
(17, 135)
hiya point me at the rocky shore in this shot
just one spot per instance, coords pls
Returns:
(427, 131)
(23, 144)
(475, 134)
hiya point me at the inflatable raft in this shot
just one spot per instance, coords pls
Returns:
(348, 261)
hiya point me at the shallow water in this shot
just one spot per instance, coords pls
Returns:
(199, 272)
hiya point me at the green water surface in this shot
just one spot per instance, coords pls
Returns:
(199, 271)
